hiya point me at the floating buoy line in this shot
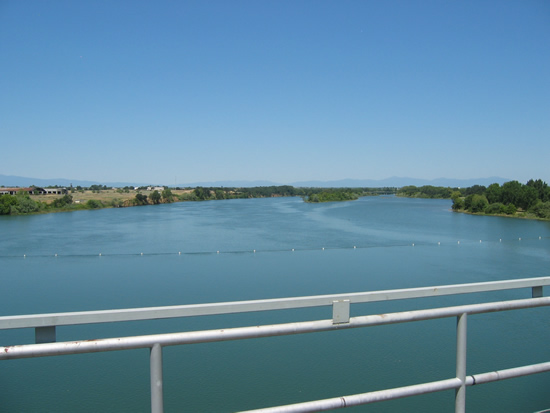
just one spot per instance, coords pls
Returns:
(254, 251)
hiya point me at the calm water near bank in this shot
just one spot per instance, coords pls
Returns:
(300, 249)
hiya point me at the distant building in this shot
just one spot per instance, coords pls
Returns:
(34, 191)
(15, 191)
(55, 191)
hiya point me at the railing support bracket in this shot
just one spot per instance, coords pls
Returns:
(44, 335)
(340, 311)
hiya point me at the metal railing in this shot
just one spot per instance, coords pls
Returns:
(45, 327)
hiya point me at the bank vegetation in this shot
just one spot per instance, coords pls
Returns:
(513, 199)
(98, 196)
(531, 200)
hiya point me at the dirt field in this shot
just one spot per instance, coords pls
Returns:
(104, 196)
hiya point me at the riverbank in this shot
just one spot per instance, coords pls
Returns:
(517, 215)
(512, 199)
(75, 199)
(108, 198)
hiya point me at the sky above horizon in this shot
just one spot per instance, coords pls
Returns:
(285, 91)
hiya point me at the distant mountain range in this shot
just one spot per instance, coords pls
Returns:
(398, 182)
(7, 180)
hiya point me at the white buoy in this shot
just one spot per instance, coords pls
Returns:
(323, 248)
(24, 255)
(354, 247)
(500, 240)
(254, 250)
(179, 253)
(540, 237)
(142, 253)
(480, 241)
(520, 238)
(459, 242)
(413, 244)
(217, 252)
(438, 243)
(56, 255)
(100, 254)
(292, 249)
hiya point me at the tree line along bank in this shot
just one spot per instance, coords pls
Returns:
(531, 200)
(74, 198)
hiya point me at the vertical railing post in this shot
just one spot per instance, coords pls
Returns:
(460, 393)
(157, 400)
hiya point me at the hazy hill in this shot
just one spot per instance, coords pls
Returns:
(7, 180)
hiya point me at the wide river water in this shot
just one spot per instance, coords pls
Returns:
(199, 252)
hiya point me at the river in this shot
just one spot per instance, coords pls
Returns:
(197, 252)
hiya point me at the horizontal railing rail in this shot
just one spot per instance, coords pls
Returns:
(406, 391)
(46, 323)
(271, 330)
(340, 320)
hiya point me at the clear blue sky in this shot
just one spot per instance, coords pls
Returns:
(144, 91)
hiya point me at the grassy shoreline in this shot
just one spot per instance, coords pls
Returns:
(89, 199)
(517, 215)
(76, 199)
(104, 196)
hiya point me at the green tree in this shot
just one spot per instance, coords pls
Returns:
(117, 203)
(140, 199)
(62, 202)
(468, 202)
(333, 195)
(188, 196)
(155, 197)
(167, 195)
(23, 204)
(511, 193)
(93, 204)
(493, 193)
(542, 209)
(202, 193)
(458, 201)
(476, 189)
(495, 208)
(6, 202)
(528, 197)
(541, 187)
(510, 209)
(479, 203)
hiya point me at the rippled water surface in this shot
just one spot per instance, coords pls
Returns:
(261, 248)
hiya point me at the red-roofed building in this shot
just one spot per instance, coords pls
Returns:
(33, 191)
(14, 191)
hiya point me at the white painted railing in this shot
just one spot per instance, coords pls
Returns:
(46, 324)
